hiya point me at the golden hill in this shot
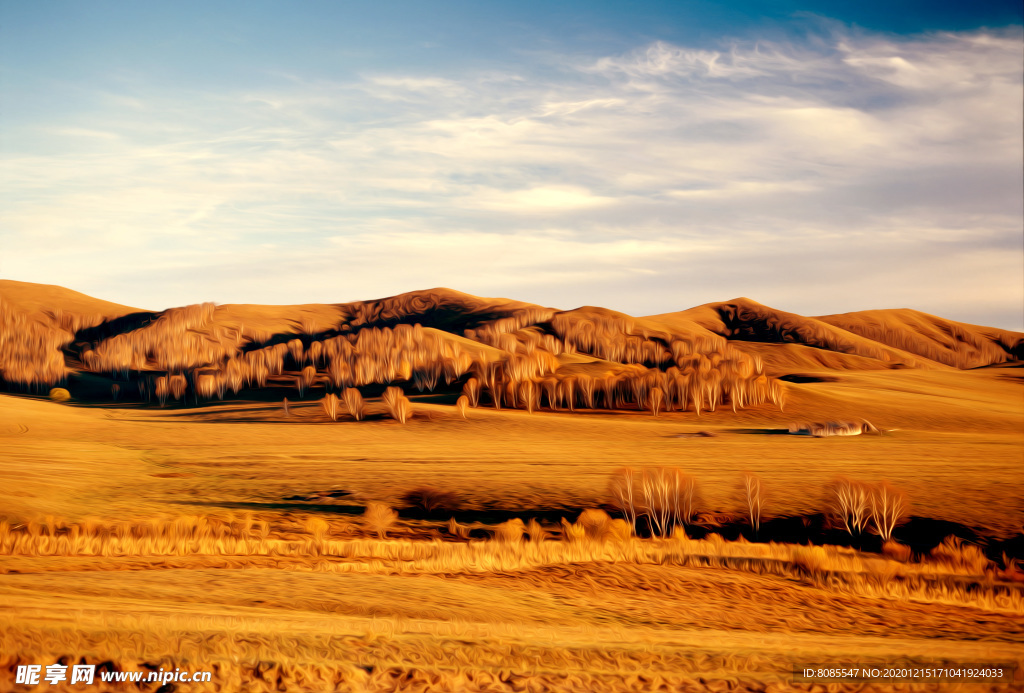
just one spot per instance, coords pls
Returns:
(508, 353)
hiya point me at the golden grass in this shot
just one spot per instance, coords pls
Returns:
(297, 608)
(163, 537)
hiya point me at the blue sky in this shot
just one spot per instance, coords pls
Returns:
(644, 156)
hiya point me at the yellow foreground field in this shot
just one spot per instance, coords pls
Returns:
(230, 538)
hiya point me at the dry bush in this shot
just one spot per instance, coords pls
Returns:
(888, 509)
(754, 499)
(354, 403)
(622, 487)
(178, 384)
(954, 553)
(318, 527)
(619, 530)
(378, 518)
(398, 405)
(573, 532)
(305, 380)
(59, 394)
(284, 405)
(595, 523)
(655, 400)
(430, 499)
(462, 404)
(162, 389)
(850, 505)
(471, 390)
(811, 560)
(330, 405)
(457, 530)
(897, 551)
(536, 531)
(510, 532)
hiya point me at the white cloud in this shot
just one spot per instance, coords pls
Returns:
(683, 167)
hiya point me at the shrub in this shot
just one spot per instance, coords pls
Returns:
(471, 390)
(897, 551)
(811, 560)
(457, 530)
(430, 499)
(655, 400)
(330, 405)
(595, 523)
(753, 497)
(162, 389)
(305, 380)
(536, 531)
(619, 530)
(573, 532)
(318, 527)
(354, 403)
(510, 532)
(59, 394)
(378, 517)
(178, 385)
(954, 553)
(397, 404)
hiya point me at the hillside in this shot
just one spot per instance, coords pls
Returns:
(499, 352)
(953, 343)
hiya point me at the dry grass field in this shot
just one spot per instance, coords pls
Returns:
(255, 541)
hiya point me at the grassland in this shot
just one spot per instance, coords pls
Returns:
(207, 538)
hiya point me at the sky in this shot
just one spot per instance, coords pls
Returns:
(818, 157)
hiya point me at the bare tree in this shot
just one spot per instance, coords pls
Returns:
(888, 509)
(752, 494)
(622, 486)
(354, 403)
(471, 390)
(397, 404)
(851, 505)
(330, 405)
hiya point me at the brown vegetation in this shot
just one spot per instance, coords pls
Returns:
(754, 500)
(287, 597)
(354, 403)
(330, 405)
(378, 518)
(430, 499)
(398, 405)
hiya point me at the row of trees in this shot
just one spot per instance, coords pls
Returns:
(666, 498)
(31, 350)
(185, 355)
(395, 402)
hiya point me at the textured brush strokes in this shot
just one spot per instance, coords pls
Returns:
(585, 153)
(437, 491)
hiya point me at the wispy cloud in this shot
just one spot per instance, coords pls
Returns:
(847, 171)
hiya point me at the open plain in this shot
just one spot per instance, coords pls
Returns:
(257, 536)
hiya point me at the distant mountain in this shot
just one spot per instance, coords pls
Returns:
(518, 354)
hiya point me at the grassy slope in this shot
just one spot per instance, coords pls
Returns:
(364, 618)
(956, 451)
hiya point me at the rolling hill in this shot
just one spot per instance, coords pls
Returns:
(520, 355)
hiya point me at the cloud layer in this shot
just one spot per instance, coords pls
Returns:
(842, 172)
